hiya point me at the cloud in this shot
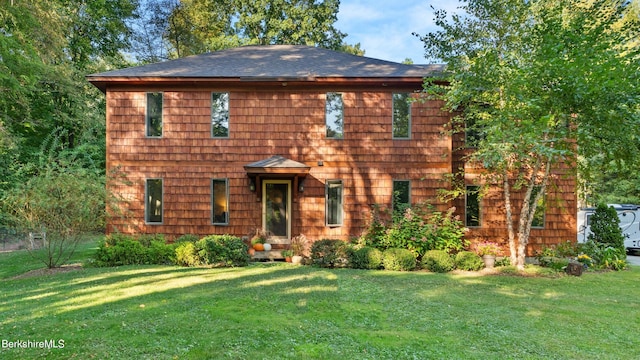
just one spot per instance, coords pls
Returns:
(384, 28)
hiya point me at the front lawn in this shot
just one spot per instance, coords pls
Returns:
(282, 311)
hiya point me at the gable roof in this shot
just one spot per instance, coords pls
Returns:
(268, 63)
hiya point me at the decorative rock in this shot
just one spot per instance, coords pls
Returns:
(574, 268)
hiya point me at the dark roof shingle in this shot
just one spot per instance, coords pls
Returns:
(273, 62)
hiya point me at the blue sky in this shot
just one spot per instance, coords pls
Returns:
(383, 27)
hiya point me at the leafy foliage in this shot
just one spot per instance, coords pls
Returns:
(438, 261)
(605, 228)
(329, 253)
(398, 259)
(419, 228)
(118, 249)
(532, 78)
(469, 261)
(365, 258)
(222, 250)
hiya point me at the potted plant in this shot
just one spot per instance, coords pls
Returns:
(287, 255)
(488, 251)
(299, 246)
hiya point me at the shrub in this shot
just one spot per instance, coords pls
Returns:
(418, 229)
(187, 254)
(605, 227)
(187, 238)
(438, 261)
(553, 262)
(118, 249)
(469, 261)
(329, 253)
(398, 259)
(365, 258)
(222, 250)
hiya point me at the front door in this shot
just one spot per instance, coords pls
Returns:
(276, 209)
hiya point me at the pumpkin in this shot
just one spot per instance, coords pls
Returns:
(258, 247)
(267, 247)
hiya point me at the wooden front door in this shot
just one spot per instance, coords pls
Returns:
(276, 209)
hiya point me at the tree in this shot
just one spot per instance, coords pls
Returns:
(64, 200)
(605, 228)
(538, 79)
(191, 27)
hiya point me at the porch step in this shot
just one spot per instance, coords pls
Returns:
(268, 255)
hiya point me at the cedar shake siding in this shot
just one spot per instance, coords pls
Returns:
(276, 108)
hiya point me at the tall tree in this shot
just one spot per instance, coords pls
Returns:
(190, 27)
(534, 77)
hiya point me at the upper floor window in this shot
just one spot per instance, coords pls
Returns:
(401, 199)
(538, 216)
(472, 206)
(334, 116)
(473, 133)
(333, 201)
(154, 114)
(220, 201)
(402, 115)
(153, 201)
(219, 115)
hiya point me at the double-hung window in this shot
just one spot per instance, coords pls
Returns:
(333, 201)
(220, 115)
(154, 114)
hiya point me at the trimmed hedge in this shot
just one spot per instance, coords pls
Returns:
(118, 249)
(469, 261)
(365, 258)
(222, 250)
(398, 259)
(438, 261)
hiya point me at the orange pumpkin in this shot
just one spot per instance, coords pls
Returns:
(258, 247)
(252, 251)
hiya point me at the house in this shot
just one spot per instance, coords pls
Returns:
(290, 139)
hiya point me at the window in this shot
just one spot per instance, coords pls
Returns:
(153, 203)
(538, 216)
(220, 202)
(402, 116)
(473, 133)
(334, 115)
(472, 206)
(154, 114)
(219, 115)
(333, 201)
(401, 196)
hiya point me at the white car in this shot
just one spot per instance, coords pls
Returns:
(629, 223)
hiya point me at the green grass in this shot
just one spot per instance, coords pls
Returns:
(281, 311)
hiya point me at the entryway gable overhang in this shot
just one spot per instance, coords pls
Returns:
(277, 167)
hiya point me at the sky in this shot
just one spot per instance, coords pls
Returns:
(384, 27)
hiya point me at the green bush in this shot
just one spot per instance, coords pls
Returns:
(398, 259)
(365, 258)
(119, 249)
(553, 262)
(328, 253)
(222, 250)
(419, 228)
(469, 261)
(605, 228)
(187, 254)
(438, 261)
